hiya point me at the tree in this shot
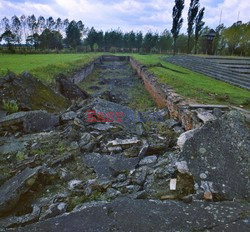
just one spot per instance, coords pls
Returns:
(9, 38)
(33, 40)
(23, 21)
(192, 13)
(177, 20)
(31, 22)
(92, 38)
(219, 41)
(6, 24)
(199, 24)
(16, 28)
(41, 24)
(50, 40)
(150, 41)
(165, 41)
(73, 35)
(50, 23)
(138, 40)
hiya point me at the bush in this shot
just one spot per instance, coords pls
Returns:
(10, 106)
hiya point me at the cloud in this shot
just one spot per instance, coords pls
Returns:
(155, 15)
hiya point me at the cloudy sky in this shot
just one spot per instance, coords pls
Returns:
(135, 15)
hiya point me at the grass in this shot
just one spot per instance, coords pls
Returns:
(44, 66)
(196, 86)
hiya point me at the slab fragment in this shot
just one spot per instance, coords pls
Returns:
(110, 165)
(218, 156)
(126, 214)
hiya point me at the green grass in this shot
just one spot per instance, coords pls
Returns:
(192, 85)
(44, 66)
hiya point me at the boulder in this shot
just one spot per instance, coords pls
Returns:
(218, 157)
(69, 90)
(28, 122)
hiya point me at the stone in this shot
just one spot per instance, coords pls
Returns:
(54, 210)
(62, 160)
(65, 117)
(15, 221)
(148, 160)
(182, 167)
(31, 121)
(124, 143)
(140, 195)
(12, 190)
(132, 151)
(217, 112)
(140, 176)
(185, 137)
(172, 123)
(178, 130)
(121, 184)
(87, 142)
(140, 131)
(127, 214)
(121, 177)
(221, 149)
(110, 165)
(75, 185)
(112, 193)
(205, 116)
(187, 199)
(133, 188)
(69, 90)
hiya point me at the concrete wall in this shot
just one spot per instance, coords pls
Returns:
(164, 96)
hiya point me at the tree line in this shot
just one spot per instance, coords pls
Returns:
(49, 33)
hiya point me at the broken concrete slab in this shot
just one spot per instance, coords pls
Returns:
(31, 121)
(12, 190)
(124, 143)
(110, 165)
(126, 214)
(220, 150)
(122, 115)
(70, 90)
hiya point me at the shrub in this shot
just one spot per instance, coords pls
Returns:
(10, 106)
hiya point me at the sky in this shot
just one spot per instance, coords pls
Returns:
(145, 15)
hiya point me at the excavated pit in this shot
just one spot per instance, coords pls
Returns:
(117, 82)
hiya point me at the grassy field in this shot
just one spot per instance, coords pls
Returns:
(44, 66)
(196, 86)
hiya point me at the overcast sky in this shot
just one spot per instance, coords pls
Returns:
(129, 15)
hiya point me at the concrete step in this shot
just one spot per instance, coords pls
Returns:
(212, 70)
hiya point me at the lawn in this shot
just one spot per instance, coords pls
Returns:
(196, 86)
(44, 66)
